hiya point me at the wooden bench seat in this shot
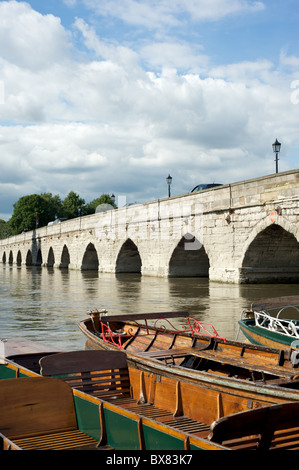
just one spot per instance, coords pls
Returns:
(103, 374)
(39, 413)
(274, 427)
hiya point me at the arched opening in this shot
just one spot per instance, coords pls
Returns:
(10, 258)
(90, 259)
(39, 258)
(51, 258)
(273, 256)
(189, 259)
(128, 260)
(4, 258)
(28, 258)
(65, 258)
(19, 258)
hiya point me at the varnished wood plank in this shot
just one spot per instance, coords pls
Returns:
(57, 441)
(83, 361)
(51, 409)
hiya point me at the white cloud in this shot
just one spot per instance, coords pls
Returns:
(216, 9)
(171, 53)
(29, 39)
(154, 14)
(96, 121)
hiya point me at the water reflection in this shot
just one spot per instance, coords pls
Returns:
(46, 304)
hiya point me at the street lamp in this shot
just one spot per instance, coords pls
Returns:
(169, 180)
(276, 149)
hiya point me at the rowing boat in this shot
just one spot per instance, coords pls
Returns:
(111, 406)
(102, 412)
(196, 354)
(272, 322)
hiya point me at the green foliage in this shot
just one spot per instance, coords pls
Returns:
(72, 205)
(55, 204)
(33, 211)
(104, 199)
(36, 210)
(5, 230)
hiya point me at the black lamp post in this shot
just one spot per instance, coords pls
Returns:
(169, 180)
(276, 149)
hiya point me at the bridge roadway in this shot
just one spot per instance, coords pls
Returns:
(242, 232)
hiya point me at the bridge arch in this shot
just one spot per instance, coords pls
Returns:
(19, 258)
(128, 259)
(189, 258)
(272, 255)
(28, 261)
(65, 258)
(10, 258)
(51, 258)
(39, 258)
(90, 259)
(4, 258)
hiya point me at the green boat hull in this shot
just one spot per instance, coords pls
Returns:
(263, 337)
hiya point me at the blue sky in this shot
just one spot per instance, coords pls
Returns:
(112, 96)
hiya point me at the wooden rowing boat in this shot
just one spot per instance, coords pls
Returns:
(102, 403)
(112, 406)
(248, 372)
(272, 322)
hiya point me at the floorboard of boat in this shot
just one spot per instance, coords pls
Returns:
(180, 423)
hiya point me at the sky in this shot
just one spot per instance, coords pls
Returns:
(111, 96)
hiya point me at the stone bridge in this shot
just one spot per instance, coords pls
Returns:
(242, 232)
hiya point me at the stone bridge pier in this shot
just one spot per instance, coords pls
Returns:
(241, 232)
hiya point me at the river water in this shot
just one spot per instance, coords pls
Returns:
(46, 305)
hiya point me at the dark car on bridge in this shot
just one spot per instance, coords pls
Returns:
(200, 187)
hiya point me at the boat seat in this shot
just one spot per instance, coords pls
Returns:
(266, 428)
(103, 374)
(39, 413)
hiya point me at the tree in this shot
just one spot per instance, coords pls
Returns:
(33, 211)
(103, 199)
(36, 210)
(72, 205)
(5, 230)
(54, 204)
